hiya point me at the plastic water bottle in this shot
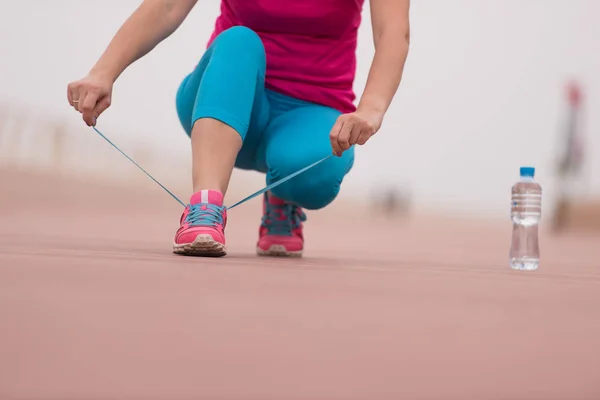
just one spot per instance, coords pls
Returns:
(526, 211)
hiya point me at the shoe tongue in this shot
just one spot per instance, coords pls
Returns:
(207, 197)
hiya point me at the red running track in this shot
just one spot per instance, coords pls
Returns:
(94, 306)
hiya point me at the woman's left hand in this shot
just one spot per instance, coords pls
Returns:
(353, 128)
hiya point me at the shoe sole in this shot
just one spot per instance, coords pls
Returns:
(202, 246)
(277, 250)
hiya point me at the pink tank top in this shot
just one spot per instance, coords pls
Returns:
(310, 45)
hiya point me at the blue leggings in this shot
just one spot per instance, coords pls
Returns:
(280, 134)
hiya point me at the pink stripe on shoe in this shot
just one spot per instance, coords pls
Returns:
(207, 197)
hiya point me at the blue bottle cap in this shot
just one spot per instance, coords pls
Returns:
(527, 172)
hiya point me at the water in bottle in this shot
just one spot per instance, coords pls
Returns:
(525, 213)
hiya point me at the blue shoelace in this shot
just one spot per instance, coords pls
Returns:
(205, 215)
(253, 195)
(276, 225)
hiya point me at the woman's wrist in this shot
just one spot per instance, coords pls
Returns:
(373, 111)
(372, 105)
(104, 72)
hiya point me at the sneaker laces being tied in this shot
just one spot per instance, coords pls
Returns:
(205, 215)
(282, 219)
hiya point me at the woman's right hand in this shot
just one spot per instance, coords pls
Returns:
(90, 96)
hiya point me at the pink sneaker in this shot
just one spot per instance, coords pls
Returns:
(202, 231)
(280, 232)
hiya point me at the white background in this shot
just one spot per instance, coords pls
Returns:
(483, 90)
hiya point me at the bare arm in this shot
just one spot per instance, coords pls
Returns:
(151, 23)
(391, 35)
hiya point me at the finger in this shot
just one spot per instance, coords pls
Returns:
(367, 132)
(344, 136)
(102, 105)
(87, 107)
(81, 99)
(362, 139)
(76, 95)
(357, 131)
(70, 94)
(333, 137)
(83, 94)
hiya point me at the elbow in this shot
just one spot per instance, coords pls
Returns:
(172, 11)
(397, 37)
(176, 11)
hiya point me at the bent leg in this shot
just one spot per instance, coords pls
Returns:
(298, 138)
(220, 103)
